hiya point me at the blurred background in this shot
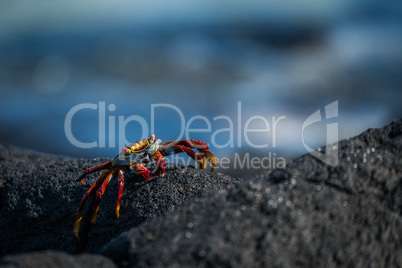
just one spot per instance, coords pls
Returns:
(277, 58)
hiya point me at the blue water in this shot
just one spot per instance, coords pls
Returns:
(204, 64)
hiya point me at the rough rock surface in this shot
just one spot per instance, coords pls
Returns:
(50, 259)
(309, 214)
(39, 197)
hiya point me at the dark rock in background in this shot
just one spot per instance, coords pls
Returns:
(39, 198)
(50, 259)
(310, 214)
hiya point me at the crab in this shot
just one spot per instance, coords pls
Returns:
(137, 157)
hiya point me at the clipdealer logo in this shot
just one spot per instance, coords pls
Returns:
(330, 155)
(234, 127)
(225, 132)
(236, 136)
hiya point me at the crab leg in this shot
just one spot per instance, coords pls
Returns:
(195, 156)
(185, 145)
(210, 157)
(88, 171)
(160, 164)
(121, 188)
(101, 191)
(203, 148)
(175, 149)
(89, 193)
(193, 144)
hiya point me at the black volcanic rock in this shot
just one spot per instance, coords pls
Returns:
(309, 214)
(39, 197)
(50, 259)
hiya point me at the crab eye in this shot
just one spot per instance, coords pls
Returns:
(152, 137)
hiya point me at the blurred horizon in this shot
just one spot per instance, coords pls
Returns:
(276, 58)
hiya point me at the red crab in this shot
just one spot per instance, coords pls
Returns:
(134, 158)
